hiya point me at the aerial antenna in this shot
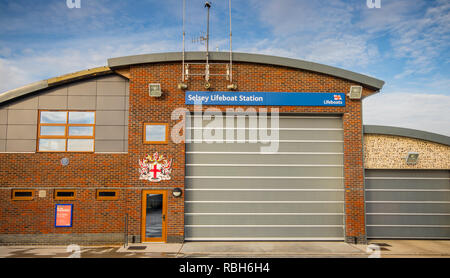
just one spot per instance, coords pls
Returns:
(205, 38)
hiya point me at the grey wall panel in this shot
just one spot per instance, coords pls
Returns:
(82, 102)
(110, 118)
(263, 232)
(110, 103)
(59, 91)
(22, 132)
(272, 195)
(3, 131)
(109, 146)
(408, 232)
(268, 219)
(284, 147)
(20, 145)
(25, 103)
(3, 116)
(22, 117)
(2, 145)
(214, 158)
(110, 132)
(52, 102)
(265, 183)
(267, 207)
(87, 88)
(111, 88)
(403, 199)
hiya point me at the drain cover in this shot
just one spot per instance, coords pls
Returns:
(137, 248)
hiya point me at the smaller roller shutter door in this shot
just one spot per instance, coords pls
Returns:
(408, 204)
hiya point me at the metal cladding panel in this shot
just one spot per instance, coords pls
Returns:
(408, 203)
(236, 191)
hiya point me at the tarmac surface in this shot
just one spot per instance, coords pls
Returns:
(375, 249)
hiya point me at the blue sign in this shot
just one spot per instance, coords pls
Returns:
(265, 98)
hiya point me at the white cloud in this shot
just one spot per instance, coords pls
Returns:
(428, 112)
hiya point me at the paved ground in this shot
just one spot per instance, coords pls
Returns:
(379, 248)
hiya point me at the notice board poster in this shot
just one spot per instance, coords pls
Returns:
(63, 215)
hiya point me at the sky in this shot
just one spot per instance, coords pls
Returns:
(405, 43)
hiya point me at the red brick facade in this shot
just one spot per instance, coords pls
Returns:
(86, 172)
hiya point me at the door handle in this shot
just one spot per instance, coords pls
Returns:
(164, 217)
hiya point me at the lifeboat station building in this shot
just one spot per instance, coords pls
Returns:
(245, 147)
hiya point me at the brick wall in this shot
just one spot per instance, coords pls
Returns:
(90, 171)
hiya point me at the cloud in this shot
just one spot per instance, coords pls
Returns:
(37, 63)
(428, 112)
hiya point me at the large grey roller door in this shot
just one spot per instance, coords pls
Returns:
(236, 192)
(408, 204)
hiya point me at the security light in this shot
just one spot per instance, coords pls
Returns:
(176, 192)
(355, 92)
(232, 87)
(182, 86)
(412, 158)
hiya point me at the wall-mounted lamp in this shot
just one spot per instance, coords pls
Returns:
(232, 87)
(176, 192)
(411, 158)
(355, 92)
(182, 86)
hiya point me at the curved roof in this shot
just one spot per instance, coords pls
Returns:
(120, 62)
(406, 132)
(249, 58)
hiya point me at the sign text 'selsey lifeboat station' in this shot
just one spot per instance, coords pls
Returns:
(265, 98)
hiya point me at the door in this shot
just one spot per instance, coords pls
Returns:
(408, 204)
(154, 215)
(236, 192)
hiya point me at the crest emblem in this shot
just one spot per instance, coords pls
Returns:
(155, 168)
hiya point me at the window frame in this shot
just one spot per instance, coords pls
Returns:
(66, 136)
(56, 197)
(144, 137)
(103, 198)
(14, 198)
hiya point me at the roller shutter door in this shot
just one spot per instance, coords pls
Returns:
(406, 204)
(236, 192)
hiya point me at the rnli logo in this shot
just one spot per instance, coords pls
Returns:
(155, 168)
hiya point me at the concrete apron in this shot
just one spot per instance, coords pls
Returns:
(262, 249)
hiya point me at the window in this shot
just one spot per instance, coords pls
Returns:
(103, 194)
(64, 194)
(66, 131)
(156, 133)
(22, 195)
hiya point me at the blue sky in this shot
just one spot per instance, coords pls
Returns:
(406, 43)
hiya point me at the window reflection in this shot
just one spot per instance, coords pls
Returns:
(56, 145)
(53, 130)
(80, 145)
(48, 117)
(81, 117)
(155, 133)
(81, 131)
